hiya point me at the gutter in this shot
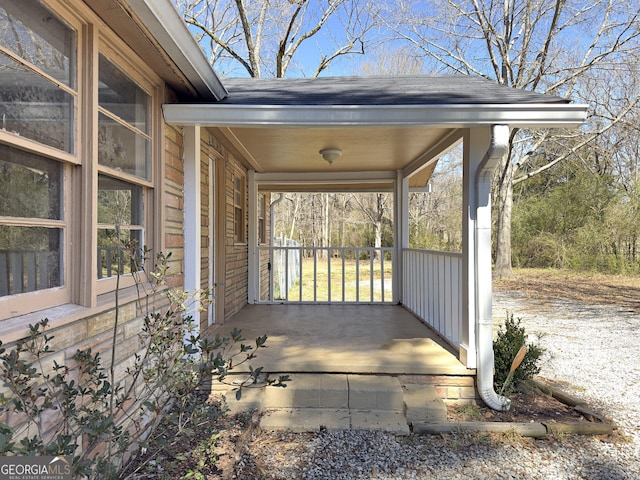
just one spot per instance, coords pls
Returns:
(229, 114)
(163, 21)
(498, 147)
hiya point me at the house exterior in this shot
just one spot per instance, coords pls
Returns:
(105, 100)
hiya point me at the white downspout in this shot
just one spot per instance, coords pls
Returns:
(484, 339)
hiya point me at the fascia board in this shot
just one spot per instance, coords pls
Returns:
(537, 115)
(325, 177)
(375, 181)
(162, 20)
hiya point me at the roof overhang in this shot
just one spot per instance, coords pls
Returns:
(284, 141)
(397, 126)
(155, 31)
(164, 23)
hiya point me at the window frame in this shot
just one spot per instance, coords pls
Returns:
(15, 305)
(120, 56)
(80, 170)
(262, 223)
(239, 209)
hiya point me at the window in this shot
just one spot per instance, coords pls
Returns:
(238, 209)
(31, 236)
(123, 123)
(120, 222)
(75, 163)
(262, 226)
(124, 149)
(37, 74)
(38, 98)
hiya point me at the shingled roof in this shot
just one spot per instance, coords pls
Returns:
(399, 90)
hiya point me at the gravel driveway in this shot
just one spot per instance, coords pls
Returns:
(593, 348)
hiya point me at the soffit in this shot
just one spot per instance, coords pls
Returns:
(364, 149)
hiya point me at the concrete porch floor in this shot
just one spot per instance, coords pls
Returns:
(362, 339)
(359, 367)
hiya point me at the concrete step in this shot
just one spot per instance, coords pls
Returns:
(423, 404)
(313, 402)
(318, 419)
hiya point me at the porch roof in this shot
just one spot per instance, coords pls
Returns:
(377, 90)
(278, 126)
(382, 124)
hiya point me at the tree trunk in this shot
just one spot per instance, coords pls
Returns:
(502, 267)
(296, 204)
(377, 225)
(377, 240)
(326, 231)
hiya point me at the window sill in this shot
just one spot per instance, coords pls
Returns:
(17, 328)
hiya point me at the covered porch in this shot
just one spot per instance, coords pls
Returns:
(390, 133)
(373, 367)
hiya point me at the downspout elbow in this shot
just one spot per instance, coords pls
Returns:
(485, 357)
(498, 147)
(485, 371)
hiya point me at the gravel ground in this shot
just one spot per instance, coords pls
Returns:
(593, 348)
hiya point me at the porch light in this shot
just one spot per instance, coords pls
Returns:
(331, 154)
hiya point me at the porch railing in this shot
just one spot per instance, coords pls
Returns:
(433, 290)
(24, 271)
(325, 274)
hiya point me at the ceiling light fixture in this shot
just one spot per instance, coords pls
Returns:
(331, 154)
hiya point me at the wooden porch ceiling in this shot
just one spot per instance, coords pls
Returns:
(364, 149)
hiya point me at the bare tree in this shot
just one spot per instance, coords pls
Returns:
(547, 46)
(388, 61)
(375, 208)
(262, 37)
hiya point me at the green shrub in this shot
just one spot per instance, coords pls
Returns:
(84, 401)
(509, 340)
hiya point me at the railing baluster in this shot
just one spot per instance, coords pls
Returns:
(4, 274)
(382, 274)
(18, 273)
(343, 278)
(30, 261)
(329, 277)
(43, 269)
(299, 260)
(286, 274)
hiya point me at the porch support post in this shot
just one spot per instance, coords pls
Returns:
(476, 141)
(253, 287)
(483, 148)
(401, 222)
(192, 223)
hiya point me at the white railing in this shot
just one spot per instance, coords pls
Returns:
(326, 275)
(432, 290)
(23, 271)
